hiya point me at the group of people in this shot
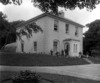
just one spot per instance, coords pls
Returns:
(63, 52)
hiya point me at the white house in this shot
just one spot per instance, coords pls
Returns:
(58, 34)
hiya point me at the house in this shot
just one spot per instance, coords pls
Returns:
(59, 35)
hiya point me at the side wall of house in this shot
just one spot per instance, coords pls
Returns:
(38, 37)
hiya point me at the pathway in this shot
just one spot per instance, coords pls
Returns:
(91, 71)
(89, 61)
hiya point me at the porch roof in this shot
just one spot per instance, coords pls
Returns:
(70, 39)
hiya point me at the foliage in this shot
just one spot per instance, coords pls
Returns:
(91, 40)
(28, 30)
(52, 5)
(7, 30)
(8, 33)
(26, 77)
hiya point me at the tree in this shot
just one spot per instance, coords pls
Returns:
(7, 30)
(28, 30)
(4, 29)
(91, 40)
(52, 5)
(8, 33)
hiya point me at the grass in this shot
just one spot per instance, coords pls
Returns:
(53, 77)
(95, 60)
(38, 60)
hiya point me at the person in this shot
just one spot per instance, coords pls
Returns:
(87, 54)
(62, 52)
(89, 51)
(51, 52)
(80, 54)
(57, 53)
(66, 52)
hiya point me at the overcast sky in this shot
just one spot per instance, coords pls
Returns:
(27, 11)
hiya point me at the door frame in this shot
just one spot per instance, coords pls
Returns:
(67, 46)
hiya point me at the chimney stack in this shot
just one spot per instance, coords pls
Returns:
(61, 14)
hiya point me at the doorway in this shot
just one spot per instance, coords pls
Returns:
(66, 49)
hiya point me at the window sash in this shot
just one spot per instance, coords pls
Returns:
(75, 48)
(56, 25)
(22, 47)
(76, 31)
(55, 45)
(35, 46)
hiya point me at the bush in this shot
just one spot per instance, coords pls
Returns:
(26, 77)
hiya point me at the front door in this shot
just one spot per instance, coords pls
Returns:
(66, 49)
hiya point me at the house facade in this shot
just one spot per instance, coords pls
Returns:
(59, 35)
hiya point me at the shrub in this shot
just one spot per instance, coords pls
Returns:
(26, 77)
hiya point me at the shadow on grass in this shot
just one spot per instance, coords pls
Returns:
(38, 60)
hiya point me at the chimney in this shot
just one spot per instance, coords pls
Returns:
(61, 14)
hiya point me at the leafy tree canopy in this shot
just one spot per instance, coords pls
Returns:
(92, 36)
(52, 5)
(7, 30)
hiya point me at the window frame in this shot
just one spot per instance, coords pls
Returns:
(75, 48)
(22, 46)
(35, 45)
(56, 25)
(76, 31)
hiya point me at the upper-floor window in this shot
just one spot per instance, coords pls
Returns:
(56, 25)
(35, 45)
(66, 28)
(76, 31)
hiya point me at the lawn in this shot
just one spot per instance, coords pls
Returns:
(38, 60)
(95, 60)
(52, 77)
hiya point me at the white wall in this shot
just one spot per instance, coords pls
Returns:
(28, 43)
(45, 39)
(51, 35)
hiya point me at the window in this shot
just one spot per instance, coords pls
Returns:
(55, 44)
(66, 28)
(75, 48)
(55, 25)
(22, 46)
(76, 31)
(35, 45)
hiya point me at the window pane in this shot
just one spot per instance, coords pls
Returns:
(76, 31)
(35, 46)
(74, 47)
(22, 47)
(56, 25)
(55, 45)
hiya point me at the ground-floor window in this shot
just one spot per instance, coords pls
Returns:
(55, 45)
(35, 45)
(75, 48)
(22, 47)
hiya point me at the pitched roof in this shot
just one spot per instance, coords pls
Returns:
(52, 16)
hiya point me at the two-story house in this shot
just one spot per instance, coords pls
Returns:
(59, 34)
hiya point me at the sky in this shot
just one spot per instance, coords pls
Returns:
(27, 11)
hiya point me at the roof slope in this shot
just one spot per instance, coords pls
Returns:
(52, 16)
